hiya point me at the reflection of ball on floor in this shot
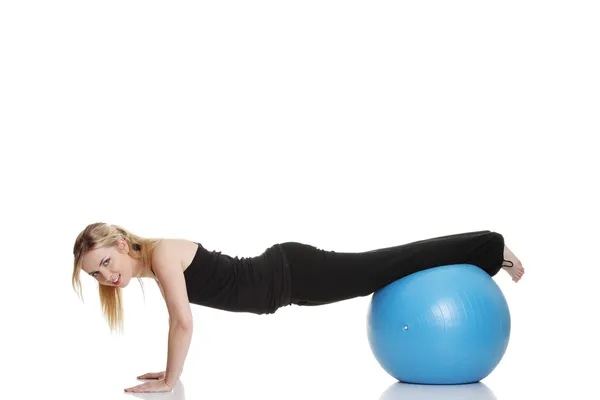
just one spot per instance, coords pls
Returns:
(443, 325)
(407, 391)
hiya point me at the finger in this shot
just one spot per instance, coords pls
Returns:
(139, 388)
(149, 375)
(142, 387)
(146, 387)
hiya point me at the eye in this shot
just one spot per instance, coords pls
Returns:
(105, 263)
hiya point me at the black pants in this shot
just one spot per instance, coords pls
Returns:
(321, 277)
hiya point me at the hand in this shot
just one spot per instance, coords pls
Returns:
(153, 375)
(158, 385)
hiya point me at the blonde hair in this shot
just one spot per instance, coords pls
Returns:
(100, 234)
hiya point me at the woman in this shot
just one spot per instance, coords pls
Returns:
(284, 274)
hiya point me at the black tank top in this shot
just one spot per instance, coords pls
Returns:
(258, 285)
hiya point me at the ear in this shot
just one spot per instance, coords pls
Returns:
(122, 245)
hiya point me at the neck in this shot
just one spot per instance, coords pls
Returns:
(137, 269)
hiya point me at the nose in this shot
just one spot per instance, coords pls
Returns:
(106, 274)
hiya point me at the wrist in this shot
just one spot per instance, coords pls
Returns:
(170, 382)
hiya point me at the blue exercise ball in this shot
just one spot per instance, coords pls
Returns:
(443, 325)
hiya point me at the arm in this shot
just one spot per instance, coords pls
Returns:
(180, 338)
(163, 295)
(173, 289)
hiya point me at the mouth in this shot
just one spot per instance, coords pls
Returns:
(118, 281)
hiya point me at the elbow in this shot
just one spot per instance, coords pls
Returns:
(182, 323)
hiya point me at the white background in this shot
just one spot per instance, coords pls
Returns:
(349, 125)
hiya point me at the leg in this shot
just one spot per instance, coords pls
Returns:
(322, 277)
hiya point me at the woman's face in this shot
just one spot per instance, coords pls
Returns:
(111, 266)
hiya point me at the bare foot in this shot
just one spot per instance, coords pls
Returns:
(512, 265)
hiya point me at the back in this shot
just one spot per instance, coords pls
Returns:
(258, 285)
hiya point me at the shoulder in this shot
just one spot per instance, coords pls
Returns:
(172, 252)
(165, 248)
